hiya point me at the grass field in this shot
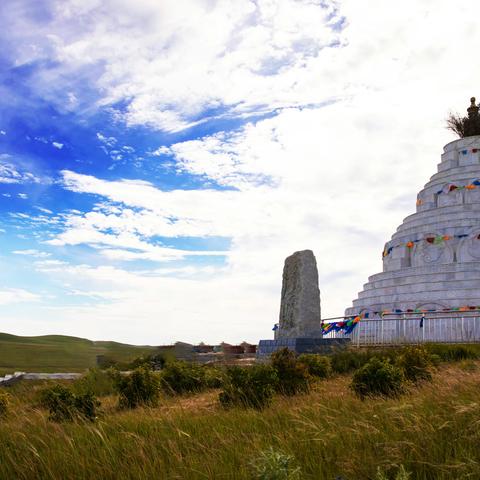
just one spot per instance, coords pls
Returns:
(56, 353)
(433, 431)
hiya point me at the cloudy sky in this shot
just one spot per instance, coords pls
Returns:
(160, 159)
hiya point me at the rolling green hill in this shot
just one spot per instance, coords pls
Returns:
(58, 353)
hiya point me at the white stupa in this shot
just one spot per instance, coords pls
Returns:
(432, 261)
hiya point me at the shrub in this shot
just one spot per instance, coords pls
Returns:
(86, 406)
(453, 353)
(415, 362)
(4, 401)
(345, 361)
(105, 361)
(182, 377)
(214, 377)
(141, 387)
(97, 382)
(155, 361)
(250, 387)
(275, 465)
(292, 375)
(64, 405)
(377, 377)
(317, 365)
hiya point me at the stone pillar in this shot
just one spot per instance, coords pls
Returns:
(300, 303)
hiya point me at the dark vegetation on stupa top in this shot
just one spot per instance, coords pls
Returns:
(466, 126)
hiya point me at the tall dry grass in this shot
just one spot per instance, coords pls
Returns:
(433, 431)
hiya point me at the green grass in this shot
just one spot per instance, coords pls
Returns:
(433, 431)
(57, 353)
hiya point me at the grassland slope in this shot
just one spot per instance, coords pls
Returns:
(59, 353)
(432, 431)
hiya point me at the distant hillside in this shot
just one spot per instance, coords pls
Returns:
(59, 353)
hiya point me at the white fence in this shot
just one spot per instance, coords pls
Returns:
(405, 329)
(8, 380)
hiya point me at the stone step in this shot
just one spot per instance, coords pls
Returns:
(464, 277)
(425, 286)
(449, 297)
(466, 173)
(447, 268)
(461, 212)
(467, 226)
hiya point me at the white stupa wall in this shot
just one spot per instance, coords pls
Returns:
(440, 275)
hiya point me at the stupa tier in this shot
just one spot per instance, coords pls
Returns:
(432, 261)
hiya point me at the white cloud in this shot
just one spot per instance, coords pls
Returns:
(32, 252)
(57, 145)
(44, 210)
(155, 301)
(16, 295)
(110, 141)
(334, 193)
(23, 196)
(10, 173)
(151, 56)
(49, 265)
(124, 244)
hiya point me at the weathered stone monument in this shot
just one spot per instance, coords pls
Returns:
(300, 301)
(299, 323)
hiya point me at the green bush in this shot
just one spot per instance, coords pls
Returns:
(86, 406)
(292, 375)
(250, 387)
(317, 365)
(275, 465)
(155, 361)
(141, 387)
(97, 382)
(345, 361)
(214, 376)
(454, 353)
(106, 361)
(415, 362)
(377, 377)
(349, 360)
(183, 377)
(64, 405)
(4, 401)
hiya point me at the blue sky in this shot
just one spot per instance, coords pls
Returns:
(159, 161)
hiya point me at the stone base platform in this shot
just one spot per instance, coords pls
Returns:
(301, 345)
